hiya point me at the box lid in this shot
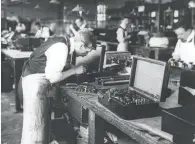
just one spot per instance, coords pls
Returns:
(149, 78)
(115, 57)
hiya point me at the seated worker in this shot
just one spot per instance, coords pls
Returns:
(19, 31)
(41, 31)
(80, 24)
(122, 35)
(185, 47)
(20, 27)
(43, 69)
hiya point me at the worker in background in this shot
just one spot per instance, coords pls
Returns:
(185, 47)
(20, 27)
(80, 24)
(41, 31)
(43, 69)
(122, 35)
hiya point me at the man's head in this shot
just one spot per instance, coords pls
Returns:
(183, 29)
(125, 22)
(84, 42)
(79, 21)
(37, 26)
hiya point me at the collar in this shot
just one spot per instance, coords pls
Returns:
(71, 45)
(122, 26)
(191, 36)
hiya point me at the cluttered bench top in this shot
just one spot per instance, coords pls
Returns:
(143, 130)
(146, 130)
(16, 54)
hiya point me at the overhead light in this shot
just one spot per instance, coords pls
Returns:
(54, 2)
(20, 1)
(157, 1)
(191, 4)
(37, 6)
(16, 0)
(78, 8)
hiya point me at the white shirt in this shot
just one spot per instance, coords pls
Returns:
(56, 59)
(43, 32)
(121, 34)
(186, 50)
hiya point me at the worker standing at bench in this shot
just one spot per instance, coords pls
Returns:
(44, 68)
(122, 35)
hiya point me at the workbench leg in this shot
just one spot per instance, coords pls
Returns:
(156, 53)
(18, 64)
(96, 129)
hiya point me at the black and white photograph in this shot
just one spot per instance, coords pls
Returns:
(97, 72)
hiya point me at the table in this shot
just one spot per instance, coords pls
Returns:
(140, 129)
(16, 59)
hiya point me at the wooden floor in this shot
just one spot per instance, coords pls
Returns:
(11, 124)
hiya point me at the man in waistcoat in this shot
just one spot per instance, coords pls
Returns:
(80, 24)
(42, 31)
(44, 68)
(122, 35)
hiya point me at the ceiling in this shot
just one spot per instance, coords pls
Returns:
(51, 10)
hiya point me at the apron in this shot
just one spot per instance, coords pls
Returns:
(123, 46)
(36, 113)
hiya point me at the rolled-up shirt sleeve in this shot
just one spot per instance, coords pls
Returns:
(177, 50)
(56, 60)
(45, 32)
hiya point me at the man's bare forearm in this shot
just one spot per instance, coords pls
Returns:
(60, 76)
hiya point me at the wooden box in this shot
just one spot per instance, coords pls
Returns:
(113, 57)
(187, 84)
(147, 87)
(180, 122)
(118, 62)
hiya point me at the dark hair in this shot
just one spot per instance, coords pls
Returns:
(183, 23)
(37, 24)
(80, 18)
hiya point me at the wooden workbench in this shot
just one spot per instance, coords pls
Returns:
(16, 60)
(144, 131)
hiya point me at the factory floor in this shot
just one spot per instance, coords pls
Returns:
(11, 122)
(11, 125)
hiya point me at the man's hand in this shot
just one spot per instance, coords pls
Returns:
(176, 57)
(80, 69)
(71, 26)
